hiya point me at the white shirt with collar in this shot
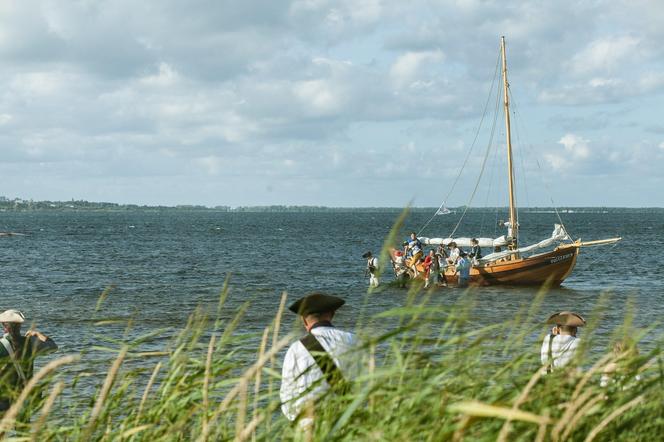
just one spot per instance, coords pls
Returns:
(563, 348)
(297, 376)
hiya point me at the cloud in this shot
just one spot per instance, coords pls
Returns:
(576, 146)
(604, 55)
(575, 150)
(210, 94)
(406, 69)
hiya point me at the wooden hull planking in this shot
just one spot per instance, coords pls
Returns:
(551, 267)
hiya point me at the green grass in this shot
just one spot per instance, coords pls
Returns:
(429, 374)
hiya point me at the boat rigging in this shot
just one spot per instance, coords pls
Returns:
(516, 265)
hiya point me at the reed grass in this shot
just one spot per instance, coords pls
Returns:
(431, 374)
(427, 371)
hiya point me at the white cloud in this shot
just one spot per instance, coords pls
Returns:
(605, 54)
(231, 89)
(406, 69)
(166, 76)
(604, 82)
(320, 96)
(40, 83)
(576, 146)
(575, 150)
(212, 165)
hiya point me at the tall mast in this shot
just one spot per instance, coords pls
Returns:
(514, 228)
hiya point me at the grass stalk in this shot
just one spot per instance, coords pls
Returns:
(206, 381)
(617, 412)
(10, 416)
(46, 409)
(105, 389)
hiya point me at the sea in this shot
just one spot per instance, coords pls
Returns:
(158, 266)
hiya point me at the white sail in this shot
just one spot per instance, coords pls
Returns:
(464, 242)
(559, 234)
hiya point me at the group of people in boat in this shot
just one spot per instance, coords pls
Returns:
(412, 262)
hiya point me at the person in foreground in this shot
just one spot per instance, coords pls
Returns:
(17, 356)
(559, 347)
(320, 360)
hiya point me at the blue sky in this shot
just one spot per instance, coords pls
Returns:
(337, 103)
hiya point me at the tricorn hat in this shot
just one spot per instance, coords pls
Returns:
(569, 319)
(12, 316)
(316, 303)
(366, 255)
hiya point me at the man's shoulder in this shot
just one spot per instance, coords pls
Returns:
(333, 332)
(564, 340)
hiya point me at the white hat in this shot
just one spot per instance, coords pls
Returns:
(12, 316)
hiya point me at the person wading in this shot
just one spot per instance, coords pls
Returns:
(17, 356)
(320, 360)
(372, 269)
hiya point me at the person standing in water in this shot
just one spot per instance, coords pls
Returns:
(429, 270)
(463, 269)
(372, 269)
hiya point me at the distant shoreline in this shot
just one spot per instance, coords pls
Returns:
(20, 205)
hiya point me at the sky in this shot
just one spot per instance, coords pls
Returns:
(346, 103)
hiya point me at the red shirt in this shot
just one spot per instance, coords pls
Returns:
(427, 263)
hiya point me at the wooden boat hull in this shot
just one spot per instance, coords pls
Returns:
(551, 267)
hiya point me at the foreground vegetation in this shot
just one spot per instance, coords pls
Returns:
(428, 374)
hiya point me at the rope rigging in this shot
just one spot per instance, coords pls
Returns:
(539, 168)
(521, 152)
(465, 161)
(486, 156)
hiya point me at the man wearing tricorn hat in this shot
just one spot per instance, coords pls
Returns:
(559, 347)
(17, 355)
(320, 360)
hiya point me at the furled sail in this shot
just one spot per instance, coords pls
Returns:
(465, 242)
(559, 234)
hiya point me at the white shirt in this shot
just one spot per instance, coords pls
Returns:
(297, 377)
(454, 254)
(562, 349)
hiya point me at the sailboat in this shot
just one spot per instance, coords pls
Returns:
(510, 263)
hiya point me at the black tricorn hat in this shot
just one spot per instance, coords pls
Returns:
(316, 303)
(570, 319)
(366, 255)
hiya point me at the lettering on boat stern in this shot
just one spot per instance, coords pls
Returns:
(556, 259)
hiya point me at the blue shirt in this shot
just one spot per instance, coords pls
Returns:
(463, 267)
(414, 245)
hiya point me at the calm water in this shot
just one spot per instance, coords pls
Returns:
(163, 265)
